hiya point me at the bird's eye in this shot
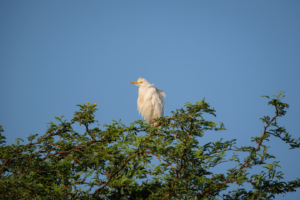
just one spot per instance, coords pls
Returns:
(141, 82)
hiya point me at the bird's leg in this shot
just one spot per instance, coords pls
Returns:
(151, 124)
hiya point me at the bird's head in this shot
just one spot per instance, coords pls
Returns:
(141, 82)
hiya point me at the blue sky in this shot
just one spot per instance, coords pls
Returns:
(56, 54)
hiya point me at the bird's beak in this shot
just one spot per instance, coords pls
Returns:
(134, 82)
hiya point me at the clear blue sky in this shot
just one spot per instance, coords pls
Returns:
(56, 54)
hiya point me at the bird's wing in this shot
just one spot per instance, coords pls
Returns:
(151, 103)
(157, 99)
(161, 92)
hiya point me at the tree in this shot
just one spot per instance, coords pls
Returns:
(117, 163)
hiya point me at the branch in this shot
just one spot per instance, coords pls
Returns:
(111, 176)
(19, 151)
(260, 142)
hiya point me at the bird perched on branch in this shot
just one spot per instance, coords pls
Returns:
(150, 101)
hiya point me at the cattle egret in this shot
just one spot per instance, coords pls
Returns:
(150, 101)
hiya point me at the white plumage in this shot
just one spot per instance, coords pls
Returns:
(150, 101)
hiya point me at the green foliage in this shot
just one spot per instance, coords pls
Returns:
(118, 162)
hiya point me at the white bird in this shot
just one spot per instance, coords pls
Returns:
(150, 101)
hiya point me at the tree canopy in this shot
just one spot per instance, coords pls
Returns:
(141, 161)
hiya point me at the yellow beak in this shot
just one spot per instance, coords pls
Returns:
(134, 82)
